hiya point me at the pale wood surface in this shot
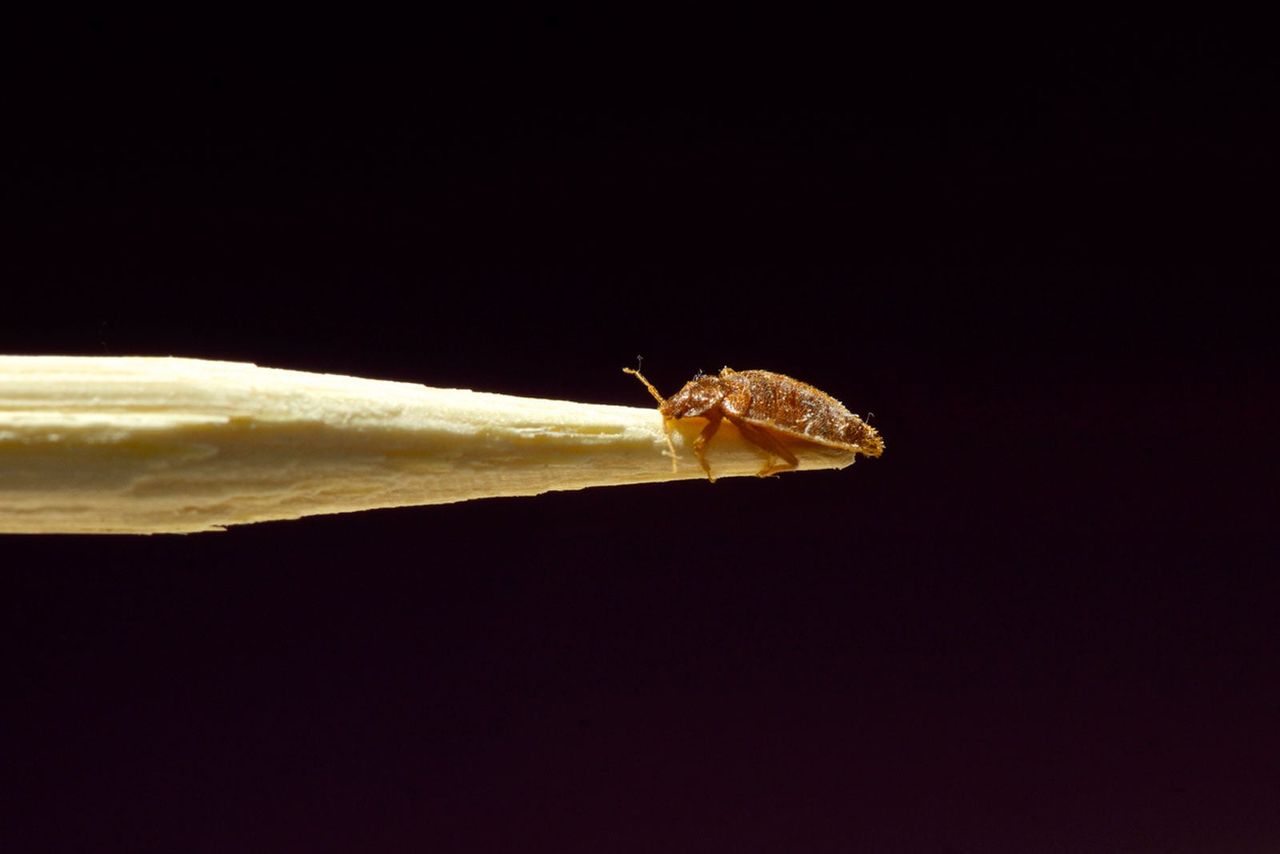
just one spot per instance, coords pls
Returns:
(168, 445)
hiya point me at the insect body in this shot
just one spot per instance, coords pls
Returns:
(767, 409)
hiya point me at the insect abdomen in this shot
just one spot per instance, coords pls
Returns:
(800, 409)
(864, 436)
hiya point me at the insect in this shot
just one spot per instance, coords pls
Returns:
(768, 409)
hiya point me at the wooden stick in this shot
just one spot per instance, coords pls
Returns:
(163, 445)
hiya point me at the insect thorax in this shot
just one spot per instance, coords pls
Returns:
(698, 397)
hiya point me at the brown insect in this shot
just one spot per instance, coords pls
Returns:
(767, 409)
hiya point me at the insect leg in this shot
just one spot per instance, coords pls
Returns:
(766, 441)
(700, 443)
(671, 446)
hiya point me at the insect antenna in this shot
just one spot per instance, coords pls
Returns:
(653, 391)
(666, 423)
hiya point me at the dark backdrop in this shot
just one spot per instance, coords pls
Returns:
(1044, 621)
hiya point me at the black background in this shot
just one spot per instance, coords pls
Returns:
(1037, 251)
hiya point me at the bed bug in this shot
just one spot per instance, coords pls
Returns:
(768, 409)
